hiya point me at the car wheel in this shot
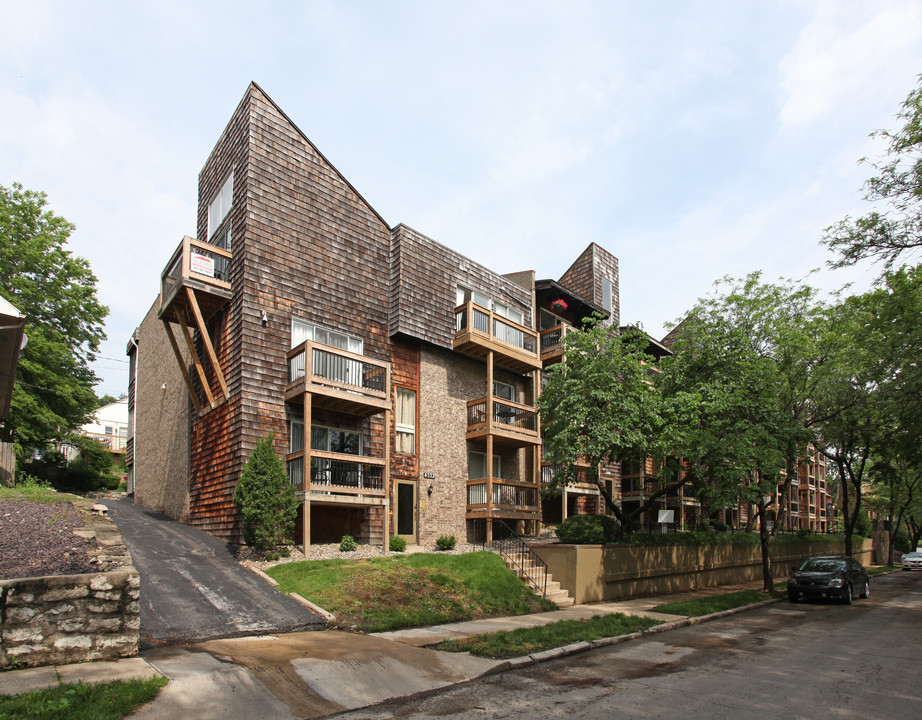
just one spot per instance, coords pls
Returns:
(867, 589)
(848, 594)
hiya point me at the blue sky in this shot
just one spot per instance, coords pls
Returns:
(691, 139)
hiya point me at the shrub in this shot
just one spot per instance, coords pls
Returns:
(587, 530)
(266, 499)
(397, 544)
(445, 542)
(348, 544)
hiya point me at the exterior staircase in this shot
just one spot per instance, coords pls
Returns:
(523, 561)
(540, 580)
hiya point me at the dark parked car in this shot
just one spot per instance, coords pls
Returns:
(837, 577)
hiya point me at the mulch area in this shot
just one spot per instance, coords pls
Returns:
(37, 539)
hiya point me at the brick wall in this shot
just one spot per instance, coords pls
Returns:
(162, 413)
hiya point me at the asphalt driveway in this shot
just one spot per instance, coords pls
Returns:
(192, 588)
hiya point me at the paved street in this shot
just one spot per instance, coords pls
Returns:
(783, 660)
(192, 587)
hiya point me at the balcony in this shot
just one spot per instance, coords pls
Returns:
(507, 499)
(633, 487)
(550, 470)
(338, 380)
(479, 331)
(337, 474)
(113, 443)
(552, 343)
(685, 495)
(194, 282)
(509, 423)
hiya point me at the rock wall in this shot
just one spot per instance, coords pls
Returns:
(62, 619)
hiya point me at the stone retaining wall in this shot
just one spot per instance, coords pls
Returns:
(598, 573)
(62, 619)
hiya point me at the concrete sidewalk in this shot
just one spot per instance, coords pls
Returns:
(317, 673)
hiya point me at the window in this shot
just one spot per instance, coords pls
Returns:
(221, 205)
(406, 421)
(464, 295)
(607, 295)
(549, 320)
(477, 465)
(109, 430)
(302, 331)
(507, 312)
(327, 439)
(503, 391)
(295, 436)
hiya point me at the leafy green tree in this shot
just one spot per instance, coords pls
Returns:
(599, 407)
(56, 291)
(737, 394)
(893, 232)
(266, 499)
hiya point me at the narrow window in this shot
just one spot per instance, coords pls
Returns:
(220, 206)
(406, 421)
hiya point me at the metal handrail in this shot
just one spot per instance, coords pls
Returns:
(516, 551)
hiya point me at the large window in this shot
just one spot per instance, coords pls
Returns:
(328, 439)
(503, 391)
(220, 206)
(302, 331)
(406, 421)
(477, 465)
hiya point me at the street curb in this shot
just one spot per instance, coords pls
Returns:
(583, 646)
(325, 614)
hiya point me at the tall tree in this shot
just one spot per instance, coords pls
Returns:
(894, 231)
(56, 291)
(742, 377)
(599, 407)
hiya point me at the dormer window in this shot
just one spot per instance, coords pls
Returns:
(220, 206)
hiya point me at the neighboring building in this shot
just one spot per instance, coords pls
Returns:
(12, 341)
(109, 426)
(399, 378)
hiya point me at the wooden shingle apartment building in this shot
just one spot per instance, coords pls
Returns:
(399, 378)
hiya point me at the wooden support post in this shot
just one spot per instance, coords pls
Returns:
(306, 521)
(182, 367)
(183, 325)
(206, 339)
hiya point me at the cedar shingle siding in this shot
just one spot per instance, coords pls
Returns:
(306, 245)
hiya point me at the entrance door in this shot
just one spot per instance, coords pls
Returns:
(406, 510)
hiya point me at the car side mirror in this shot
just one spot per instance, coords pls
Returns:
(794, 568)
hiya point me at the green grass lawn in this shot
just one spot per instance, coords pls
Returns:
(716, 603)
(106, 701)
(388, 593)
(34, 492)
(525, 641)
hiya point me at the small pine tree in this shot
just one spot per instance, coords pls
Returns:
(265, 498)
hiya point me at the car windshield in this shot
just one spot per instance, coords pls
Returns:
(823, 565)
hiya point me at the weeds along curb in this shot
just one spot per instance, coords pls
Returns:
(583, 646)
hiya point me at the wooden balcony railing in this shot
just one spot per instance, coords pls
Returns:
(506, 496)
(552, 342)
(338, 379)
(479, 331)
(337, 474)
(114, 443)
(198, 265)
(550, 470)
(508, 422)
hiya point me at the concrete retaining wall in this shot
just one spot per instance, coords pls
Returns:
(597, 573)
(63, 619)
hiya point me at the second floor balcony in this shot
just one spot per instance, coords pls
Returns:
(337, 474)
(552, 343)
(509, 423)
(479, 331)
(337, 379)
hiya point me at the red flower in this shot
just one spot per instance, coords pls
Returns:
(559, 305)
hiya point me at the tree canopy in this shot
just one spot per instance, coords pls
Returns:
(56, 291)
(894, 231)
